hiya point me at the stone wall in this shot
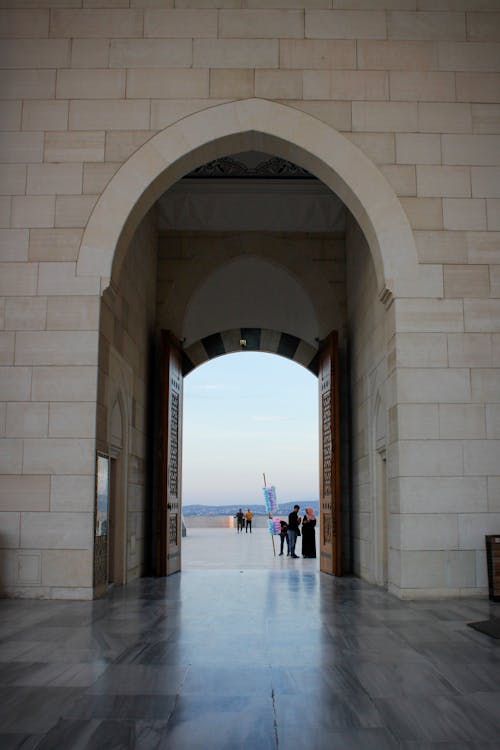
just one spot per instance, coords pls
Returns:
(366, 336)
(417, 91)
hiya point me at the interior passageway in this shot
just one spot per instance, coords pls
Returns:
(245, 248)
(257, 660)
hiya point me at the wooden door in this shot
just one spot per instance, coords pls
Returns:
(168, 535)
(329, 456)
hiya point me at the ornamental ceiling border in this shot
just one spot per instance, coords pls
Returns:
(228, 167)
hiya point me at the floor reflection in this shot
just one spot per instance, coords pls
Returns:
(269, 656)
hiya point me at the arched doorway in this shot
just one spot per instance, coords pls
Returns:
(386, 238)
(167, 508)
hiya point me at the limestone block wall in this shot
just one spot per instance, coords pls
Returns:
(446, 490)
(48, 385)
(367, 355)
(415, 84)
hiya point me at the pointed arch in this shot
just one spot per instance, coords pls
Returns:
(252, 124)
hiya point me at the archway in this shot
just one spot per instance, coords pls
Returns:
(383, 226)
(168, 498)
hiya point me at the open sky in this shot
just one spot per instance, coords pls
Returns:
(245, 414)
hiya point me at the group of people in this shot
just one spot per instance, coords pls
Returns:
(297, 526)
(244, 521)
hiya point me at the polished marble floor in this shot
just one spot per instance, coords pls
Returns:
(267, 657)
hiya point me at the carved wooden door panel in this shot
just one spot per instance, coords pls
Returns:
(168, 542)
(329, 470)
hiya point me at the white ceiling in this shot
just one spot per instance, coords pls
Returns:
(251, 204)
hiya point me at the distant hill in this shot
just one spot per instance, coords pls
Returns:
(257, 510)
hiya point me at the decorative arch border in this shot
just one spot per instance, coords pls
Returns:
(250, 340)
(253, 124)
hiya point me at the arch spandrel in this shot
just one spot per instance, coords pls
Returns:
(254, 124)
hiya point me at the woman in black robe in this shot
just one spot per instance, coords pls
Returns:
(309, 534)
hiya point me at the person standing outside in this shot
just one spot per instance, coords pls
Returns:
(248, 519)
(284, 537)
(308, 533)
(293, 529)
(240, 520)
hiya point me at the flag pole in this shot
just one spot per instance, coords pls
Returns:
(269, 515)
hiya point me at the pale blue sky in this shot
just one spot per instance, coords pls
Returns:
(245, 414)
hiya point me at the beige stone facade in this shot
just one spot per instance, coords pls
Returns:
(395, 106)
